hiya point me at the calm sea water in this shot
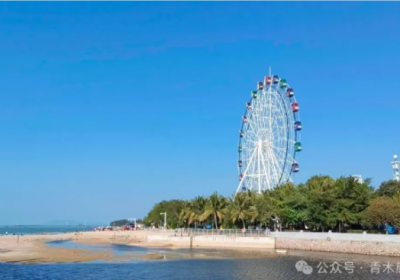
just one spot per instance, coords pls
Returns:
(254, 269)
(36, 229)
(279, 267)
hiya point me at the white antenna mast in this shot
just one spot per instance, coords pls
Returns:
(395, 166)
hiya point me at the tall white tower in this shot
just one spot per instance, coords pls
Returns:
(395, 166)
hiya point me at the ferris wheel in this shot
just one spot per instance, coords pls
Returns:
(269, 138)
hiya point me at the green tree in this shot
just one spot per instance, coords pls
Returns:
(289, 204)
(388, 188)
(239, 208)
(215, 207)
(382, 210)
(193, 211)
(266, 207)
(119, 223)
(173, 209)
(319, 198)
(351, 199)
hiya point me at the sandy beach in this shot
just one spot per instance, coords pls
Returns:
(33, 248)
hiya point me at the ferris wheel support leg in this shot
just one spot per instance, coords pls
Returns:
(245, 172)
(278, 171)
(265, 170)
(259, 169)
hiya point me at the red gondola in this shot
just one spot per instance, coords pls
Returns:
(295, 107)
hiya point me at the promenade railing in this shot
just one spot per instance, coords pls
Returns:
(289, 234)
(229, 232)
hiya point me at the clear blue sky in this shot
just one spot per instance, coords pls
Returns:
(108, 108)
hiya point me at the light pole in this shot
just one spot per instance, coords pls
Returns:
(165, 220)
(134, 221)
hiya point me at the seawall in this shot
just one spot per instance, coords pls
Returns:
(215, 241)
(365, 244)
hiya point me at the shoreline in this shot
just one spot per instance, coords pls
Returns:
(32, 249)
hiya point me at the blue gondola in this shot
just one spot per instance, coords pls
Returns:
(289, 92)
(275, 79)
(297, 125)
(295, 167)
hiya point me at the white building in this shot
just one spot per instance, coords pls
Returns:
(358, 178)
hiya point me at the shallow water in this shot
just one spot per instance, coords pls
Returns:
(269, 267)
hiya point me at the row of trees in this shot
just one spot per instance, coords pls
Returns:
(123, 222)
(322, 203)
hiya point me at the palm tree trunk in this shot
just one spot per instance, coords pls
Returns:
(244, 226)
(215, 221)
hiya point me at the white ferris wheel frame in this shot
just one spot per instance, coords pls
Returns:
(267, 139)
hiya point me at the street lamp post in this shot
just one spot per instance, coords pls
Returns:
(134, 222)
(165, 220)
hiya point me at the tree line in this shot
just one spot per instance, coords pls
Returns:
(320, 204)
(123, 222)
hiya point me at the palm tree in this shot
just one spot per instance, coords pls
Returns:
(239, 208)
(193, 210)
(184, 215)
(216, 207)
